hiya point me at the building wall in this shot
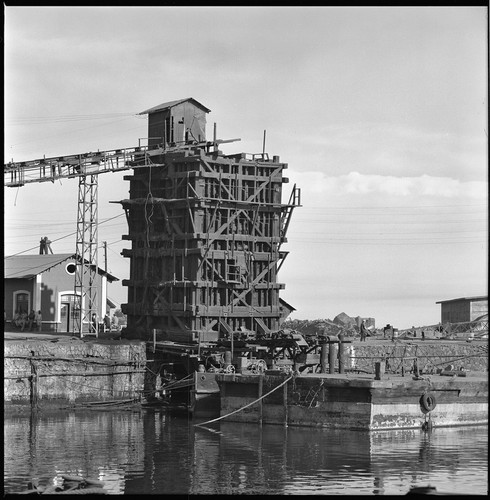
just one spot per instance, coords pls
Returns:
(455, 312)
(478, 308)
(174, 122)
(10, 287)
(54, 283)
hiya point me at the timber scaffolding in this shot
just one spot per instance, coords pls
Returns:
(206, 232)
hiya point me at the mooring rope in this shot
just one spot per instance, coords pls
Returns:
(247, 405)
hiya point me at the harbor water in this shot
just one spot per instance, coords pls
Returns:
(158, 452)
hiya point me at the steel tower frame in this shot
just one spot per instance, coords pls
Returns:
(86, 286)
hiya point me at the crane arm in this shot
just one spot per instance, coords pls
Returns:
(70, 166)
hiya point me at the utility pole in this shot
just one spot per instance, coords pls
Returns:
(105, 255)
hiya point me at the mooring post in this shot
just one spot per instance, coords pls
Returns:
(341, 353)
(285, 398)
(33, 382)
(324, 358)
(228, 359)
(379, 369)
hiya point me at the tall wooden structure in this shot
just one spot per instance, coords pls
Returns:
(206, 231)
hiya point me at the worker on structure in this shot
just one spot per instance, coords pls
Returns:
(44, 246)
(364, 332)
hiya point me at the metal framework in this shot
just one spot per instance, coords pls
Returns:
(206, 232)
(86, 167)
(86, 284)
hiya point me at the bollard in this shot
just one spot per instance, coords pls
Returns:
(324, 358)
(379, 369)
(416, 367)
(341, 354)
(227, 358)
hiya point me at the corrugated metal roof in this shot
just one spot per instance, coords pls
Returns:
(171, 104)
(29, 266)
(479, 297)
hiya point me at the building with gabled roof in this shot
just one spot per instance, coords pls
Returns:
(47, 283)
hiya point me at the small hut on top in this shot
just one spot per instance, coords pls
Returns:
(176, 122)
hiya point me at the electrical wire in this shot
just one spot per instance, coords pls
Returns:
(61, 238)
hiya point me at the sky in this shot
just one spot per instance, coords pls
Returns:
(381, 114)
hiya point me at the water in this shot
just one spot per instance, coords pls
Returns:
(155, 452)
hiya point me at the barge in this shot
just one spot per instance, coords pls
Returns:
(354, 401)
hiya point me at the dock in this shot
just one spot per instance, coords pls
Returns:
(355, 401)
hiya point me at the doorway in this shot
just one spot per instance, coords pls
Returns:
(65, 317)
(69, 312)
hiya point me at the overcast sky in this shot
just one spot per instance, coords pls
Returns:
(380, 114)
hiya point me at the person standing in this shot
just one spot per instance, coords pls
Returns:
(364, 332)
(107, 323)
(39, 321)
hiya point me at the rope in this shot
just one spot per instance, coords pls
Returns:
(246, 406)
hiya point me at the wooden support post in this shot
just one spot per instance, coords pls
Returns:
(379, 368)
(261, 409)
(341, 353)
(331, 357)
(415, 367)
(34, 388)
(324, 358)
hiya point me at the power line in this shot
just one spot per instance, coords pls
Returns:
(63, 237)
(28, 120)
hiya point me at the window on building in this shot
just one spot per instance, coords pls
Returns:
(21, 302)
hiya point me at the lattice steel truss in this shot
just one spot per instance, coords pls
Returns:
(206, 232)
(86, 284)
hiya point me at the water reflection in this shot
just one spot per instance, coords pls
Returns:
(137, 452)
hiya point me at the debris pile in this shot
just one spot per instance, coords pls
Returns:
(342, 323)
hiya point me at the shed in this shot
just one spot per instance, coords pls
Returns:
(463, 309)
(176, 122)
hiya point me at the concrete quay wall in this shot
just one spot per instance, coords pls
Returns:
(431, 356)
(72, 371)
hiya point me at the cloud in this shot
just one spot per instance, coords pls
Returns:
(355, 183)
(392, 149)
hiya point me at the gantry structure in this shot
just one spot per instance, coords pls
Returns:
(206, 229)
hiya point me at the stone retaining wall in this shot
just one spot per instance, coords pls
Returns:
(71, 371)
(431, 356)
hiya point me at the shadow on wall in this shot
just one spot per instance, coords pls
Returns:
(48, 307)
